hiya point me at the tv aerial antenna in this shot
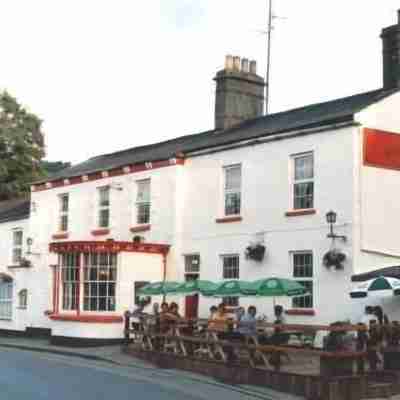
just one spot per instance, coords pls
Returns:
(270, 27)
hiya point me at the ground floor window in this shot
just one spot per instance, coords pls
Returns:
(231, 301)
(6, 291)
(88, 281)
(99, 281)
(302, 263)
(23, 298)
(70, 280)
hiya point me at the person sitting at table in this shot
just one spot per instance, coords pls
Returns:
(279, 316)
(164, 320)
(138, 315)
(247, 325)
(220, 319)
(213, 313)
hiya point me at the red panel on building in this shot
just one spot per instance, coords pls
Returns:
(381, 149)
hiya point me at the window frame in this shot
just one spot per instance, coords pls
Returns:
(233, 255)
(295, 181)
(139, 203)
(103, 207)
(231, 301)
(70, 281)
(17, 246)
(76, 303)
(305, 302)
(63, 213)
(233, 191)
(192, 256)
(23, 299)
(9, 289)
(96, 283)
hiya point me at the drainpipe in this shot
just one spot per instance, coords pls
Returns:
(164, 270)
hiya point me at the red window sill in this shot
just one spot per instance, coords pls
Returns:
(140, 228)
(58, 236)
(104, 319)
(100, 232)
(299, 311)
(297, 213)
(226, 220)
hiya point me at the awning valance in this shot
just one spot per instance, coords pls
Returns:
(108, 246)
(390, 272)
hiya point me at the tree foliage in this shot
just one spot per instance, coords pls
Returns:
(52, 167)
(21, 148)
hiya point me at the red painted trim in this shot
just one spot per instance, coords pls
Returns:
(226, 220)
(108, 246)
(100, 232)
(134, 168)
(54, 288)
(58, 277)
(78, 293)
(298, 213)
(300, 311)
(58, 236)
(99, 319)
(381, 149)
(140, 228)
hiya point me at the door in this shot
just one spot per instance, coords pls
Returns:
(191, 302)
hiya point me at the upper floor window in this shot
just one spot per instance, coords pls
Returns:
(232, 189)
(303, 182)
(104, 207)
(17, 246)
(303, 273)
(143, 202)
(63, 213)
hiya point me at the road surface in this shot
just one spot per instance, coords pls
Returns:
(26, 375)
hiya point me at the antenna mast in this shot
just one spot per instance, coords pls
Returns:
(267, 78)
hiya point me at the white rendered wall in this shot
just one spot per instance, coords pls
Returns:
(22, 278)
(377, 207)
(265, 199)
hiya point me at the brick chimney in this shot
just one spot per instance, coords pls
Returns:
(391, 55)
(239, 93)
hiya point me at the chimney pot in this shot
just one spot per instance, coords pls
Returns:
(391, 55)
(245, 65)
(236, 63)
(239, 95)
(229, 62)
(253, 67)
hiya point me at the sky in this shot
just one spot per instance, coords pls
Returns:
(106, 75)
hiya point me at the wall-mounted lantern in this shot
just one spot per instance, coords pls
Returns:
(331, 217)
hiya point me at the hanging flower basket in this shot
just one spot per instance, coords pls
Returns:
(255, 252)
(334, 258)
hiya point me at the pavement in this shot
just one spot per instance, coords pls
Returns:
(115, 360)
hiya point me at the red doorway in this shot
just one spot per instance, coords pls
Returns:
(191, 302)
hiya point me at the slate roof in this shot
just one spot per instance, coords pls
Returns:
(315, 115)
(14, 210)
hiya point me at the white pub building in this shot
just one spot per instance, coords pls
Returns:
(246, 200)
